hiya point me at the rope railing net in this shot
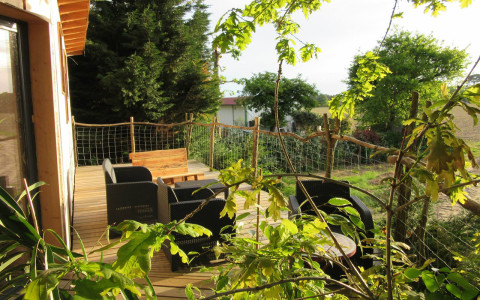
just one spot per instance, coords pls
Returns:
(199, 148)
(150, 137)
(94, 144)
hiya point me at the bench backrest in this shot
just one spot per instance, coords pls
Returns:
(162, 162)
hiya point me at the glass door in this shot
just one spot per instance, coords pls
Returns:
(15, 111)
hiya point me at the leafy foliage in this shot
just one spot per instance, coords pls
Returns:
(294, 95)
(236, 27)
(144, 59)
(34, 267)
(307, 121)
(369, 71)
(445, 152)
(417, 63)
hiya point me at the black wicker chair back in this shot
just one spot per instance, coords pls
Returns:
(175, 204)
(131, 195)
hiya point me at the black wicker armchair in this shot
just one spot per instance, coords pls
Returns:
(321, 192)
(175, 204)
(131, 194)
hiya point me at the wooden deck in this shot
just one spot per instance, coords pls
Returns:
(90, 221)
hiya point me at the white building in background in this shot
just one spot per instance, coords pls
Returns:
(233, 113)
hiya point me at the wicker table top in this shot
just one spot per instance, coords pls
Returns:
(217, 186)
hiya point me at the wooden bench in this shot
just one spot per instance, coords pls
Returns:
(171, 165)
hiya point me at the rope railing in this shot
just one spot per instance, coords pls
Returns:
(216, 145)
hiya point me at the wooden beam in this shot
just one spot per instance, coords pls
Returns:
(74, 7)
(74, 24)
(74, 46)
(72, 53)
(74, 16)
(75, 31)
(73, 38)
(65, 2)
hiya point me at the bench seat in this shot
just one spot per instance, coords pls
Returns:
(171, 165)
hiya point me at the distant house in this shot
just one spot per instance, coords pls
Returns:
(233, 113)
(36, 137)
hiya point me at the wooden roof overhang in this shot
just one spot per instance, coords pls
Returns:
(74, 22)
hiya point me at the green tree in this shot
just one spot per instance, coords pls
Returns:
(307, 120)
(145, 59)
(294, 95)
(417, 63)
(323, 99)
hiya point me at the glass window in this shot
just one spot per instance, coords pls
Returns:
(12, 157)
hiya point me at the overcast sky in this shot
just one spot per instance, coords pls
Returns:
(342, 29)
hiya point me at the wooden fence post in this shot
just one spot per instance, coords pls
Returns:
(212, 141)
(256, 128)
(74, 133)
(189, 118)
(258, 216)
(331, 143)
(132, 135)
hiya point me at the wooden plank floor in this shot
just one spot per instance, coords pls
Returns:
(90, 221)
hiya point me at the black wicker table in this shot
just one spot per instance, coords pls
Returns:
(217, 186)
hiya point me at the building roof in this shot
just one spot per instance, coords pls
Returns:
(230, 100)
(74, 21)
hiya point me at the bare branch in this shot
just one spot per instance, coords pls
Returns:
(266, 286)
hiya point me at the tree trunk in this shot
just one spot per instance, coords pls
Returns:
(472, 206)
(405, 190)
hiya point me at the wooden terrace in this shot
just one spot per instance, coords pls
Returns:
(90, 221)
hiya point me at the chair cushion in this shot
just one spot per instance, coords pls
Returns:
(109, 171)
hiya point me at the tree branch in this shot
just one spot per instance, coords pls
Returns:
(269, 285)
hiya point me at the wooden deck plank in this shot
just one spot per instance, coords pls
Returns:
(90, 221)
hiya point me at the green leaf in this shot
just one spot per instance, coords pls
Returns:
(242, 216)
(189, 292)
(65, 248)
(357, 221)
(351, 211)
(10, 261)
(291, 227)
(412, 273)
(134, 258)
(222, 282)
(431, 281)
(468, 291)
(339, 201)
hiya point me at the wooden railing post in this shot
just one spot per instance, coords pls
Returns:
(331, 143)
(257, 233)
(256, 128)
(132, 135)
(74, 133)
(189, 118)
(212, 141)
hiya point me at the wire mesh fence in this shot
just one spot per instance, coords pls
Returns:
(150, 137)
(94, 144)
